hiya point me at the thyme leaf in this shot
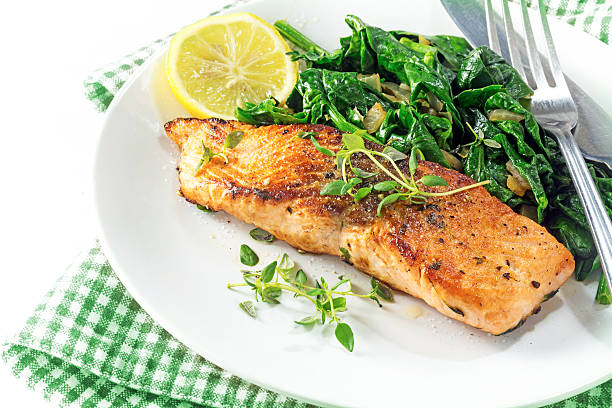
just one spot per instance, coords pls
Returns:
(233, 138)
(249, 308)
(259, 234)
(247, 256)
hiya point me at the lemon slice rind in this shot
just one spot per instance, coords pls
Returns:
(245, 61)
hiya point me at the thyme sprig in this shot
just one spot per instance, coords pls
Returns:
(328, 299)
(400, 187)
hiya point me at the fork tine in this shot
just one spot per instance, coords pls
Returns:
(553, 59)
(515, 55)
(492, 28)
(535, 63)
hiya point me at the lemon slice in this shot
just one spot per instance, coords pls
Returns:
(221, 62)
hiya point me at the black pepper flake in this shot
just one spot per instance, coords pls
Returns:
(285, 131)
(432, 218)
(479, 259)
(289, 210)
(499, 268)
(436, 265)
(507, 262)
(506, 275)
(460, 271)
(441, 240)
(329, 174)
(535, 284)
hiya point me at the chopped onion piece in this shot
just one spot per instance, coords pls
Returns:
(392, 98)
(515, 181)
(454, 162)
(372, 80)
(515, 186)
(502, 114)
(401, 93)
(423, 40)
(374, 118)
(434, 102)
(517, 175)
(446, 115)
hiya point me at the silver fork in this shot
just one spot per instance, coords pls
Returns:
(554, 109)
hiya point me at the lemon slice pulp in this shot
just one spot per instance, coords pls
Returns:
(221, 62)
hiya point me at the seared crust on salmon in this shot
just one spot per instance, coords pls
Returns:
(468, 255)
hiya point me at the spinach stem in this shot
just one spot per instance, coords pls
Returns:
(297, 38)
(603, 296)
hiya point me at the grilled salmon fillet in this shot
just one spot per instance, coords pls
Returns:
(468, 255)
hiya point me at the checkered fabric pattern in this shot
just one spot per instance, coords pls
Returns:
(90, 344)
(592, 16)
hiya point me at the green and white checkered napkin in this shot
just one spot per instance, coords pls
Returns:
(90, 344)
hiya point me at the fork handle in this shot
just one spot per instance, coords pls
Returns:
(596, 213)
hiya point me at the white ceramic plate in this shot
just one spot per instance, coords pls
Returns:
(176, 262)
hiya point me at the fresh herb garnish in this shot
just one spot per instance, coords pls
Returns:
(247, 256)
(303, 135)
(204, 209)
(259, 234)
(231, 141)
(400, 187)
(345, 254)
(321, 148)
(344, 334)
(382, 290)
(207, 155)
(249, 308)
(480, 138)
(328, 301)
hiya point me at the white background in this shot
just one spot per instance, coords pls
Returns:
(48, 134)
